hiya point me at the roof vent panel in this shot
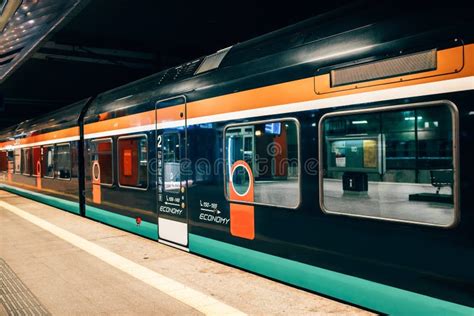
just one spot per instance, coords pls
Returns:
(212, 61)
(392, 67)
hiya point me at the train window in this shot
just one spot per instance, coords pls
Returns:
(396, 163)
(3, 161)
(74, 160)
(48, 162)
(11, 157)
(133, 161)
(63, 161)
(101, 152)
(26, 161)
(36, 161)
(262, 163)
(171, 162)
(17, 160)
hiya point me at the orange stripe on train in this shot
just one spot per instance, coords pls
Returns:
(301, 90)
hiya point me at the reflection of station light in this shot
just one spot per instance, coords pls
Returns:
(359, 122)
(412, 118)
(258, 133)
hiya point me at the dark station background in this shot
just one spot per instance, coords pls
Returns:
(112, 42)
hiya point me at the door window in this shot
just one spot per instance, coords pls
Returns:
(171, 162)
(265, 154)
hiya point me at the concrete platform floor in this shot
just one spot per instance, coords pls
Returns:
(65, 280)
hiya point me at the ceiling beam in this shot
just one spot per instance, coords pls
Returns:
(22, 22)
(73, 53)
(50, 56)
(99, 51)
(8, 10)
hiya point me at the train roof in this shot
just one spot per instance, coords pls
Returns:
(354, 33)
(8, 133)
(62, 118)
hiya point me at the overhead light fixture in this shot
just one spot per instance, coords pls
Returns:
(359, 122)
(32, 19)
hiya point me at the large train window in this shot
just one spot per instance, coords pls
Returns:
(3, 161)
(101, 152)
(11, 160)
(48, 162)
(6, 161)
(36, 161)
(263, 157)
(63, 161)
(133, 161)
(26, 161)
(17, 160)
(395, 163)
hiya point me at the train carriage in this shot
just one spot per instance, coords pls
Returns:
(333, 155)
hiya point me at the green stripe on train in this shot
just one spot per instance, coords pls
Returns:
(358, 291)
(66, 205)
(375, 296)
(145, 229)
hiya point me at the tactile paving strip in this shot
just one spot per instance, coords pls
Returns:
(15, 297)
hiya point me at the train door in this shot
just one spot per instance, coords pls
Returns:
(171, 153)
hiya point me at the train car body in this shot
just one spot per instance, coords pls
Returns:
(333, 155)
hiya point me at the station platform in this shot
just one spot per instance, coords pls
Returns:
(56, 263)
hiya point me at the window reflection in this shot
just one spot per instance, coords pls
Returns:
(63, 162)
(101, 151)
(26, 161)
(48, 162)
(3, 161)
(390, 164)
(133, 161)
(171, 162)
(270, 149)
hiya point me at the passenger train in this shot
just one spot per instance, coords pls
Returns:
(334, 155)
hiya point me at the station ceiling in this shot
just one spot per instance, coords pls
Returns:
(106, 43)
